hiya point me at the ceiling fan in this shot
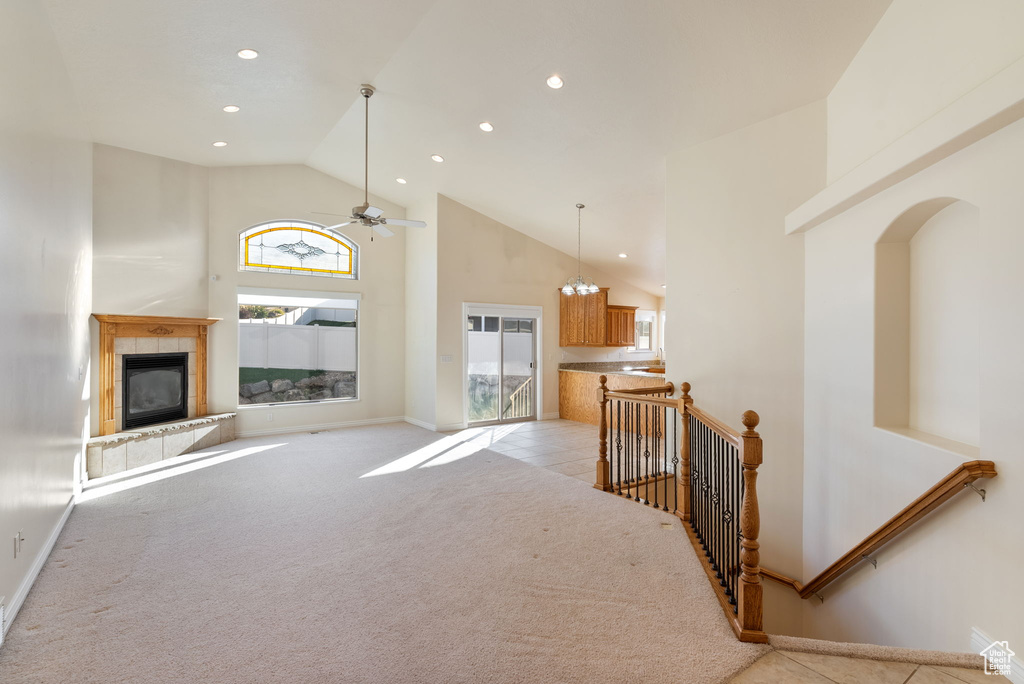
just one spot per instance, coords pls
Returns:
(364, 214)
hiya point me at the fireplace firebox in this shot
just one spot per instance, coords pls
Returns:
(155, 388)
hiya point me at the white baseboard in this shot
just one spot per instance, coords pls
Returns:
(450, 427)
(553, 415)
(980, 641)
(18, 599)
(421, 423)
(321, 426)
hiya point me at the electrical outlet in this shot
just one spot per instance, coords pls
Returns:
(270, 417)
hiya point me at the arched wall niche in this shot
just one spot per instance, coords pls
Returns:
(927, 330)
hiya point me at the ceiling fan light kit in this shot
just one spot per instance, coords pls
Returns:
(365, 214)
(578, 285)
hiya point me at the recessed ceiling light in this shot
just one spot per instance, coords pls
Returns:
(555, 82)
(220, 143)
(401, 180)
(231, 109)
(663, 286)
(623, 255)
(486, 127)
(248, 54)
(438, 158)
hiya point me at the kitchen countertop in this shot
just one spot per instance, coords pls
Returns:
(621, 371)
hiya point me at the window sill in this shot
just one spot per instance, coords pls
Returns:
(968, 451)
(282, 404)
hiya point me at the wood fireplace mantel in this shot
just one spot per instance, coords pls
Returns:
(112, 327)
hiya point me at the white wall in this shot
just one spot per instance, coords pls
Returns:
(483, 261)
(734, 312)
(421, 315)
(956, 570)
(244, 196)
(149, 230)
(46, 278)
(922, 55)
(944, 326)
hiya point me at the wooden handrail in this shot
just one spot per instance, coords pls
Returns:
(667, 388)
(720, 428)
(944, 490)
(642, 399)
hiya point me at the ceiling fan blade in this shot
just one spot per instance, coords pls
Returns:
(373, 212)
(340, 225)
(405, 222)
(383, 231)
(327, 213)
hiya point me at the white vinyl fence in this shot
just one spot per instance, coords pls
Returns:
(308, 347)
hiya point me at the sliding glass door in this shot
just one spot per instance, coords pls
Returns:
(501, 368)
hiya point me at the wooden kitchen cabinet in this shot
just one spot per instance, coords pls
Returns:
(583, 319)
(621, 327)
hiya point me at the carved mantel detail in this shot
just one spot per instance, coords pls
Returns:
(112, 327)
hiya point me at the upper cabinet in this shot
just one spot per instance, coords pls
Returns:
(621, 326)
(588, 321)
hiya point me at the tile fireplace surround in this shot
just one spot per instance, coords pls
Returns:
(120, 335)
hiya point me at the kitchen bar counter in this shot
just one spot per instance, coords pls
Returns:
(578, 388)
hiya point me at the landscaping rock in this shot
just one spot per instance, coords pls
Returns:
(263, 397)
(282, 386)
(344, 388)
(322, 394)
(305, 383)
(253, 388)
(244, 400)
(294, 395)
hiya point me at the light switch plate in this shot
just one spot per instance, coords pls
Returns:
(446, 358)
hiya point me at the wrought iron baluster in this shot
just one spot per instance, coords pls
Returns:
(656, 452)
(647, 456)
(618, 441)
(639, 438)
(675, 460)
(664, 458)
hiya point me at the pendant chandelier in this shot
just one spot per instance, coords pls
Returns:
(578, 285)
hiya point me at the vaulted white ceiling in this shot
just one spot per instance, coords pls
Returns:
(640, 78)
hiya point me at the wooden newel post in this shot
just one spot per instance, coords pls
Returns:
(749, 613)
(683, 483)
(603, 479)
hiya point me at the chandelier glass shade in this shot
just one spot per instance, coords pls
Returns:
(579, 285)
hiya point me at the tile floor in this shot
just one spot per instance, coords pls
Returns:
(812, 668)
(570, 448)
(562, 446)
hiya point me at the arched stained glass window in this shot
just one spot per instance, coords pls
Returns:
(297, 248)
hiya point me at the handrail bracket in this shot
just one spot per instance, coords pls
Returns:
(980, 492)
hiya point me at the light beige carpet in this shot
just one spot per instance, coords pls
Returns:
(286, 566)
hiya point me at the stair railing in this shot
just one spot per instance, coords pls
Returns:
(520, 402)
(962, 477)
(670, 454)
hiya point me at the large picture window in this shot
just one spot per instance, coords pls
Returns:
(298, 248)
(297, 348)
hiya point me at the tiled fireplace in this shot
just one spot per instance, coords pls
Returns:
(159, 346)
